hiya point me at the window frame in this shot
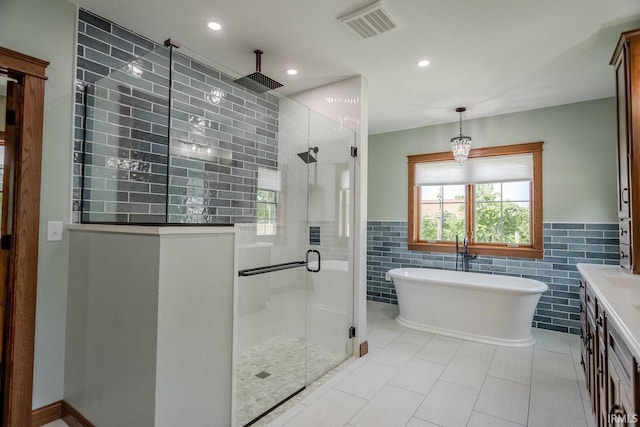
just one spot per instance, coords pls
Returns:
(274, 204)
(533, 250)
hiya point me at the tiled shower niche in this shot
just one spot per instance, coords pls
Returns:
(167, 138)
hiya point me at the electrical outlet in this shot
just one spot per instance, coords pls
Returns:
(54, 231)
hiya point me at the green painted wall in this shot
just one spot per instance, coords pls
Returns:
(46, 30)
(579, 158)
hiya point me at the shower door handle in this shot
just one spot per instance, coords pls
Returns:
(319, 260)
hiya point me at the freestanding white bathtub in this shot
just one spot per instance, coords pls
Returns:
(473, 306)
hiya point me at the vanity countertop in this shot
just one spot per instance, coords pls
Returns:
(619, 293)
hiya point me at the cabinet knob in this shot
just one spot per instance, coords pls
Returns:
(623, 231)
(599, 321)
(623, 255)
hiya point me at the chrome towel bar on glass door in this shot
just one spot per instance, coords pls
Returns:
(271, 268)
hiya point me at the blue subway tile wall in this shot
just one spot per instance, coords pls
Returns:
(565, 245)
(220, 137)
(314, 235)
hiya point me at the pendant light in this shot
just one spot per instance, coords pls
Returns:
(460, 145)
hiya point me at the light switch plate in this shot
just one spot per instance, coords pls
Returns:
(54, 231)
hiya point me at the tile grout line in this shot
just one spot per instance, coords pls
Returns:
(481, 386)
(503, 419)
(579, 372)
(533, 358)
(387, 383)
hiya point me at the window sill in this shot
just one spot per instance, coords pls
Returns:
(492, 250)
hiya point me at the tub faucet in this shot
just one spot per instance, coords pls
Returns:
(466, 255)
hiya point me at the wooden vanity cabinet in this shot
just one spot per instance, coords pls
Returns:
(626, 61)
(611, 371)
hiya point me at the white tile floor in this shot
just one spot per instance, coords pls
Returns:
(417, 379)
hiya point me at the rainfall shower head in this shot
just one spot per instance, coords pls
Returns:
(257, 81)
(307, 157)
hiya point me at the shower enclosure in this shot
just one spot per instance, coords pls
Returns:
(171, 139)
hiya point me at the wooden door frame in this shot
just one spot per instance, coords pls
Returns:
(23, 260)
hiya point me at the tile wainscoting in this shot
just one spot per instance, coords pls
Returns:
(565, 245)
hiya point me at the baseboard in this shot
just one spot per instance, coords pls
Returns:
(74, 418)
(364, 348)
(59, 410)
(46, 414)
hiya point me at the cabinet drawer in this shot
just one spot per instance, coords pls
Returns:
(625, 256)
(624, 228)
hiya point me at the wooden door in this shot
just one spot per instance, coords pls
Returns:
(24, 135)
(7, 146)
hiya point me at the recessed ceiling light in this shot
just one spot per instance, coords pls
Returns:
(423, 63)
(214, 26)
(292, 71)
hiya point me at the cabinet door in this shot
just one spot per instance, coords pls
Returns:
(623, 135)
(630, 418)
(613, 393)
(601, 369)
(592, 383)
(620, 411)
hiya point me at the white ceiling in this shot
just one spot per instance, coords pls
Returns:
(492, 56)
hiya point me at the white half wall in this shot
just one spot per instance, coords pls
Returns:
(150, 325)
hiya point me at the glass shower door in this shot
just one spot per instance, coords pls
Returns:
(330, 220)
(272, 284)
(295, 284)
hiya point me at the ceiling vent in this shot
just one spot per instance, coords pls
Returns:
(370, 21)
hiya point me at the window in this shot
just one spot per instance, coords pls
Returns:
(267, 202)
(267, 207)
(494, 199)
(442, 212)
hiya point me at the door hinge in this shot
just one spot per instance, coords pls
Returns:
(352, 332)
(10, 117)
(354, 151)
(5, 242)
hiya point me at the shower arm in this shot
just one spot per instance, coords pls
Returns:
(258, 53)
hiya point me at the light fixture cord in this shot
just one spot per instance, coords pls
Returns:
(460, 123)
